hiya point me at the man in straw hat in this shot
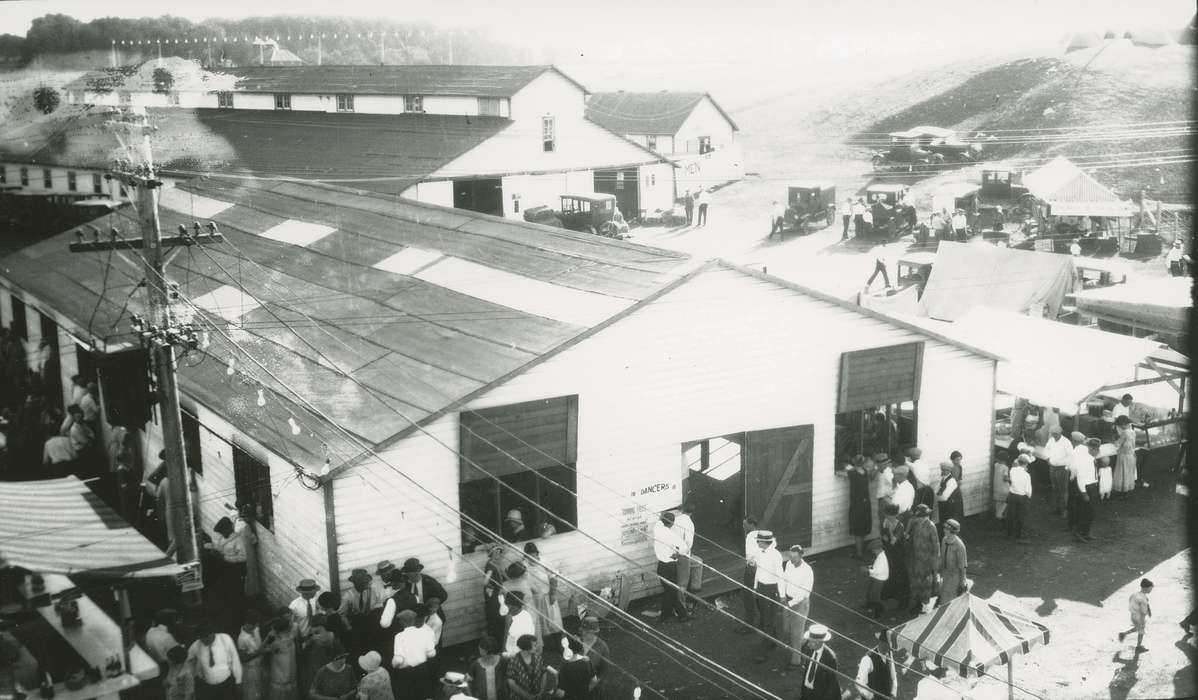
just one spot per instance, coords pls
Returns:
(376, 684)
(382, 581)
(952, 563)
(1077, 462)
(304, 607)
(820, 678)
(358, 605)
(766, 585)
(455, 687)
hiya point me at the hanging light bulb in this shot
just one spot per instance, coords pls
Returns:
(328, 466)
(205, 341)
(295, 428)
(636, 693)
(261, 398)
(503, 610)
(451, 574)
(231, 370)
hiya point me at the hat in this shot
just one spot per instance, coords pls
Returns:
(953, 525)
(1093, 442)
(1023, 447)
(514, 598)
(817, 633)
(360, 575)
(796, 548)
(453, 679)
(515, 570)
(874, 545)
(765, 536)
(1077, 436)
(384, 567)
(946, 466)
(513, 515)
(370, 661)
(589, 622)
(176, 654)
(881, 458)
(307, 585)
(922, 509)
(412, 566)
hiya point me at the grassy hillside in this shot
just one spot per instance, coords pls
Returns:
(1047, 99)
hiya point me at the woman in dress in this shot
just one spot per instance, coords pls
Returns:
(598, 652)
(519, 581)
(544, 600)
(526, 672)
(335, 680)
(576, 679)
(948, 496)
(1106, 478)
(1001, 485)
(953, 563)
(893, 535)
(493, 591)
(860, 519)
(249, 650)
(1126, 472)
(487, 680)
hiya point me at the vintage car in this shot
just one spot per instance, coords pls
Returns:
(924, 148)
(893, 216)
(809, 205)
(593, 212)
(914, 267)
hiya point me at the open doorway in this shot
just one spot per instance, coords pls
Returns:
(713, 480)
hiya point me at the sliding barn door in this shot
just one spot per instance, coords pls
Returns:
(778, 481)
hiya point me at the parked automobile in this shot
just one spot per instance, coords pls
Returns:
(808, 205)
(593, 212)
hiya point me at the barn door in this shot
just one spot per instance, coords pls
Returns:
(778, 481)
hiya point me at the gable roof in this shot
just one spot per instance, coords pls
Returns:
(477, 81)
(384, 153)
(421, 304)
(661, 112)
(1072, 191)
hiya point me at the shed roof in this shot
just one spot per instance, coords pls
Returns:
(384, 153)
(661, 112)
(422, 305)
(471, 81)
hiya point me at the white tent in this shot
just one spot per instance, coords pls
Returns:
(1151, 37)
(1071, 192)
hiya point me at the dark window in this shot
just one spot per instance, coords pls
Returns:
(47, 178)
(345, 103)
(878, 400)
(651, 142)
(3, 175)
(252, 483)
(224, 100)
(72, 185)
(97, 184)
(282, 101)
(532, 448)
(412, 103)
(548, 134)
(24, 177)
(191, 443)
(18, 324)
(888, 429)
(704, 144)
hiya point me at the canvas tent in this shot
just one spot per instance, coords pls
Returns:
(1157, 305)
(1068, 191)
(971, 274)
(1081, 40)
(1150, 37)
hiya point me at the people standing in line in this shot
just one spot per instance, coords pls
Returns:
(798, 581)
(924, 558)
(904, 491)
(218, 667)
(948, 496)
(526, 671)
(1086, 478)
(748, 600)
(1177, 260)
(598, 652)
(1019, 499)
(411, 675)
(1059, 450)
(877, 674)
(1140, 609)
(519, 621)
(179, 678)
(665, 548)
(487, 681)
(821, 679)
(1126, 472)
(335, 680)
(846, 215)
(702, 199)
(688, 203)
(860, 506)
(376, 684)
(358, 606)
(766, 587)
(544, 605)
(893, 535)
(493, 579)
(953, 563)
(684, 526)
(878, 573)
(303, 608)
(249, 650)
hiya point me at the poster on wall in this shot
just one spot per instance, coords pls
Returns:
(640, 510)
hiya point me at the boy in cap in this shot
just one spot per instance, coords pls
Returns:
(1140, 610)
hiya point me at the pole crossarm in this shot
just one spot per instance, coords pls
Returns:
(138, 243)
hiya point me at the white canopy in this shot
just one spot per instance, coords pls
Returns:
(1071, 192)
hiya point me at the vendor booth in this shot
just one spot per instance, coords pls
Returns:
(1070, 201)
(1159, 308)
(967, 275)
(62, 552)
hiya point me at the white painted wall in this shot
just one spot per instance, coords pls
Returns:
(724, 164)
(704, 120)
(440, 192)
(548, 93)
(253, 100)
(657, 187)
(713, 357)
(59, 179)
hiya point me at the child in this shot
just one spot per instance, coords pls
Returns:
(249, 647)
(1141, 610)
(1106, 478)
(180, 680)
(433, 621)
(878, 572)
(281, 647)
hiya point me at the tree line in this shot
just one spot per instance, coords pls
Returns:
(406, 42)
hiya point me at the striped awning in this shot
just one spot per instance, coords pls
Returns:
(968, 633)
(59, 526)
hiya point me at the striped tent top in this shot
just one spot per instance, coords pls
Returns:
(968, 633)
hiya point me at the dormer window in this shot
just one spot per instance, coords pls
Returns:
(651, 142)
(282, 101)
(345, 103)
(224, 100)
(413, 103)
(548, 134)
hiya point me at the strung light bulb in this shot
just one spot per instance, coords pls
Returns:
(636, 693)
(261, 398)
(451, 575)
(295, 428)
(503, 609)
(328, 466)
(205, 341)
(567, 653)
(229, 371)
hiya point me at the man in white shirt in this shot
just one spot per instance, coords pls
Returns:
(1019, 498)
(519, 622)
(1058, 451)
(798, 580)
(925, 492)
(1086, 479)
(777, 218)
(89, 403)
(960, 223)
(766, 587)
(1123, 408)
(304, 607)
(749, 527)
(858, 211)
(1177, 260)
(684, 528)
(218, 667)
(666, 546)
(412, 649)
(879, 573)
(159, 639)
(904, 492)
(702, 200)
(877, 674)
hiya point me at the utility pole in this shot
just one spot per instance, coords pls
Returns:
(161, 331)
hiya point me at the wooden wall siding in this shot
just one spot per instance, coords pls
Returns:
(296, 549)
(879, 376)
(724, 353)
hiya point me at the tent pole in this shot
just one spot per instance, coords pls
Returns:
(1011, 679)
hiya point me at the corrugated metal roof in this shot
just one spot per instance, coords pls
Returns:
(415, 345)
(59, 526)
(646, 112)
(477, 81)
(386, 153)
